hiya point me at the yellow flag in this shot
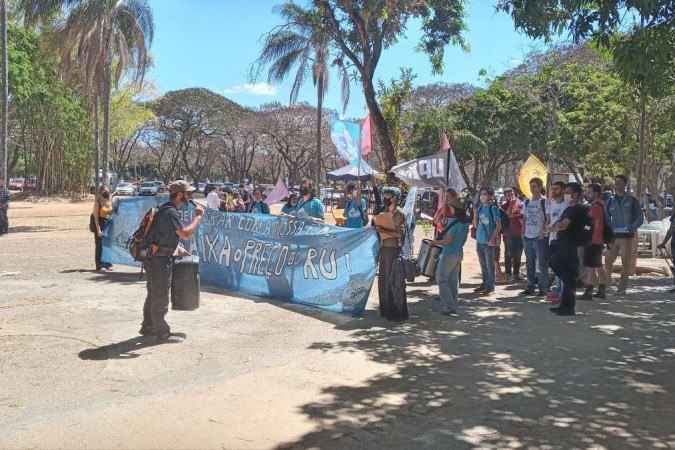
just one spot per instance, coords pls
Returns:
(533, 168)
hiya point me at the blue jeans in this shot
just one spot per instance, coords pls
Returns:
(4, 222)
(447, 277)
(486, 258)
(535, 255)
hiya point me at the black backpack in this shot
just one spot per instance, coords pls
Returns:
(506, 222)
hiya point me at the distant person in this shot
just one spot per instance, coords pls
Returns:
(245, 196)
(290, 208)
(310, 207)
(166, 232)
(557, 206)
(662, 245)
(513, 239)
(213, 199)
(487, 222)
(356, 211)
(238, 204)
(103, 209)
(536, 218)
(625, 217)
(595, 271)
(4, 206)
(565, 264)
(452, 238)
(391, 283)
(258, 206)
(445, 211)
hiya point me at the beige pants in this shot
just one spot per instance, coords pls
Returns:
(620, 247)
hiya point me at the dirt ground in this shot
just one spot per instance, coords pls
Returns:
(255, 373)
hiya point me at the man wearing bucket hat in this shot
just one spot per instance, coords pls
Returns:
(166, 232)
(452, 239)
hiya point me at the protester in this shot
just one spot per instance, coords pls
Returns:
(513, 239)
(245, 197)
(102, 211)
(557, 205)
(356, 210)
(452, 239)
(595, 272)
(499, 273)
(625, 217)
(565, 264)
(488, 226)
(393, 301)
(258, 206)
(213, 198)
(290, 207)
(535, 216)
(662, 245)
(224, 202)
(4, 206)
(166, 232)
(238, 204)
(309, 207)
(445, 212)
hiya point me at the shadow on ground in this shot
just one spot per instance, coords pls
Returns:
(507, 374)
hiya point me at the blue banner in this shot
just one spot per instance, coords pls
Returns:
(283, 258)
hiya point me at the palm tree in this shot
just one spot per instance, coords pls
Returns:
(5, 88)
(301, 44)
(101, 40)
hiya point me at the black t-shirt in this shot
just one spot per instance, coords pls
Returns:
(164, 227)
(576, 215)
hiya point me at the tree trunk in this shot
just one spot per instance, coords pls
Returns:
(5, 89)
(379, 123)
(643, 147)
(97, 142)
(107, 86)
(319, 114)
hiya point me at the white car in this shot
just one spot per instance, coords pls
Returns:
(126, 189)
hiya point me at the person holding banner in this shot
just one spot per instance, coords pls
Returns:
(290, 208)
(356, 210)
(309, 207)
(488, 226)
(258, 206)
(391, 227)
(452, 238)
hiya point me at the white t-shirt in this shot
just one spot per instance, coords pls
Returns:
(212, 200)
(533, 217)
(555, 210)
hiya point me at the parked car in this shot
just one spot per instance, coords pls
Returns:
(211, 186)
(228, 187)
(148, 188)
(126, 189)
(160, 186)
(200, 187)
(17, 184)
(31, 183)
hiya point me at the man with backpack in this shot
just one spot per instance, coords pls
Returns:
(164, 237)
(487, 223)
(356, 211)
(625, 217)
(536, 219)
(574, 230)
(595, 272)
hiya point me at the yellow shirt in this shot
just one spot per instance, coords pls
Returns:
(105, 211)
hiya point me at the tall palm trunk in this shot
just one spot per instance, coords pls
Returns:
(107, 87)
(97, 141)
(319, 116)
(5, 88)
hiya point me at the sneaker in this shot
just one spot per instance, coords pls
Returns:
(621, 291)
(586, 296)
(144, 331)
(602, 294)
(565, 312)
(541, 293)
(171, 338)
(528, 292)
(479, 288)
(449, 312)
(487, 291)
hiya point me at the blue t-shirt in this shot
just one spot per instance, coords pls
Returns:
(459, 232)
(289, 209)
(312, 208)
(259, 208)
(487, 223)
(354, 214)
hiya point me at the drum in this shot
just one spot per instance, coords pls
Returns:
(185, 284)
(428, 258)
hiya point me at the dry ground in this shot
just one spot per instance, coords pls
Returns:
(262, 374)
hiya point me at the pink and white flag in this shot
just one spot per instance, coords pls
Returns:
(277, 194)
(366, 137)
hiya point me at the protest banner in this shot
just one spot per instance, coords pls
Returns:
(428, 171)
(282, 258)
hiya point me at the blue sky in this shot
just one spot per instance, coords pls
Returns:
(211, 43)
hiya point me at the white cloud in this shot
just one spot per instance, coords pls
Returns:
(253, 89)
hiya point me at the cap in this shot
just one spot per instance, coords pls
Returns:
(180, 186)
